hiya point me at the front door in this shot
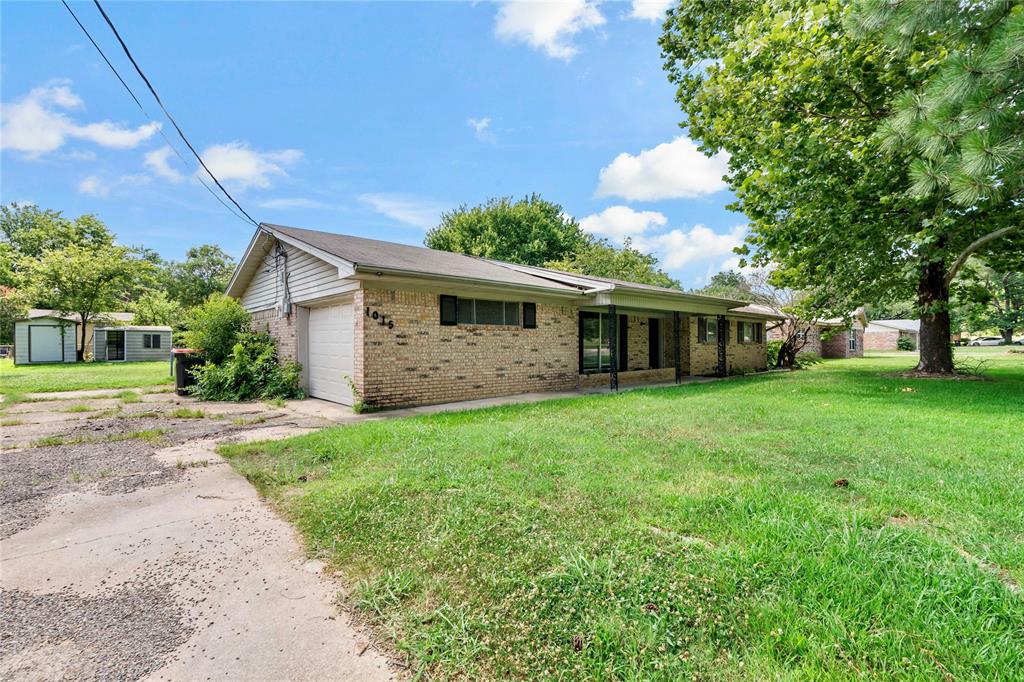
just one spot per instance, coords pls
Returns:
(115, 345)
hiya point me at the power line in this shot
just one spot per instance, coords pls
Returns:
(146, 113)
(170, 118)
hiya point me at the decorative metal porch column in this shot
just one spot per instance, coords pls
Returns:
(676, 346)
(613, 350)
(723, 338)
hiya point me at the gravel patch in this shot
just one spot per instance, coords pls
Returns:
(125, 634)
(31, 477)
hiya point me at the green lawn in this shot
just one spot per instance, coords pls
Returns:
(81, 375)
(692, 531)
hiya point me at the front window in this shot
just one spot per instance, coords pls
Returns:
(150, 340)
(709, 330)
(479, 311)
(853, 340)
(746, 332)
(595, 353)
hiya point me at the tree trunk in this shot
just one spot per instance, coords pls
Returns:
(936, 355)
(1007, 335)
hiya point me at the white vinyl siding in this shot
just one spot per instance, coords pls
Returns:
(309, 279)
(134, 345)
(21, 349)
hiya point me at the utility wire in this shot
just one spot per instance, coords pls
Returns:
(170, 118)
(146, 113)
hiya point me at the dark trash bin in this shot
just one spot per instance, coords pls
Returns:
(184, 360)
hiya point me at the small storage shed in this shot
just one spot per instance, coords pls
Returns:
(44, 339)
(131, 344)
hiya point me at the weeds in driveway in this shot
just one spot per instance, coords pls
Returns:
(129, 397)
(149, 435)
(80, 408)
(187, 413)
(199, 463)
(11, 422)
(275, 402)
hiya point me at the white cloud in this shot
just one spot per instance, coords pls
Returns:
(672, 170)
(677, 247)
(547, 26)
(406, 209)
(619, 222)
(156, 161)
(37, 123)
(93, 186)
(649, 10)
(236, 163)
(481, 128)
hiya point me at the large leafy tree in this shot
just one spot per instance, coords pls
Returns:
(205, 270)
(801, 100)
(83, 282)
(998, 300)
(155, 308)
(729, 284)
(597, 257)
(531, 231)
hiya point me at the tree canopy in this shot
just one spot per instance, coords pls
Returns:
(599, 258)
(530, 231)
(534, 231)
(800, 99)
(205, 270)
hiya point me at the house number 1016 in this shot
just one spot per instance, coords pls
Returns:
(381, 319)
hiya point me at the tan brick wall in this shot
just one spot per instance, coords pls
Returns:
(704, 356)
(282, 328)
(421, 362)
(629, 378)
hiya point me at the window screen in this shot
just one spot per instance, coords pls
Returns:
(480, 311)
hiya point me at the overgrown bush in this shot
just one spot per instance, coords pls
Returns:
(904, 343)
(250, 372)
(214, 327)
(805, 360)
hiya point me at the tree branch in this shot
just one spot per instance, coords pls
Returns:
(974, 246)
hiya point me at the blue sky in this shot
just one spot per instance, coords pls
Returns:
(360, 118)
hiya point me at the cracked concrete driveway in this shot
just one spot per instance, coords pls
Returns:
(131, 550)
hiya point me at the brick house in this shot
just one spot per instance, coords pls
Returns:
(394, 325)
(831, 339)
(884, 334)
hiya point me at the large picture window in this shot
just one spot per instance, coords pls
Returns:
(595, 353)
(707, 330)
(750, 332)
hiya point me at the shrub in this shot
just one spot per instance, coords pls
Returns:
(215, 327)
(805, 360)
(773, 352)
(250, 372)
(904, 343)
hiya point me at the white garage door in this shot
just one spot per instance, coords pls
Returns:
(45, 343)
(330, 353)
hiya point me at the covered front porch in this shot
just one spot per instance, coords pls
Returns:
(622, 345)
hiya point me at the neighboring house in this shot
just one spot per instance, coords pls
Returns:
(831, 339)
(883, 334)
(391, 324)
(131, 343)
(46, 337)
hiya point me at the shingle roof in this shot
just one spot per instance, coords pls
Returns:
(761, 310)
(371, 253)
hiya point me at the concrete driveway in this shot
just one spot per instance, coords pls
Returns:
(131, 550)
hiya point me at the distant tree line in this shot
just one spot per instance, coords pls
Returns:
(76, 267)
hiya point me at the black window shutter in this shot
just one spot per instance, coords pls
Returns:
(702, 329)
(654, 342)
(529, 316)
(726, 327)
(449, 310)
(760, 332)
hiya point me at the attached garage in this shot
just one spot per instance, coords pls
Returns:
(329, 345)
(44, 340)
